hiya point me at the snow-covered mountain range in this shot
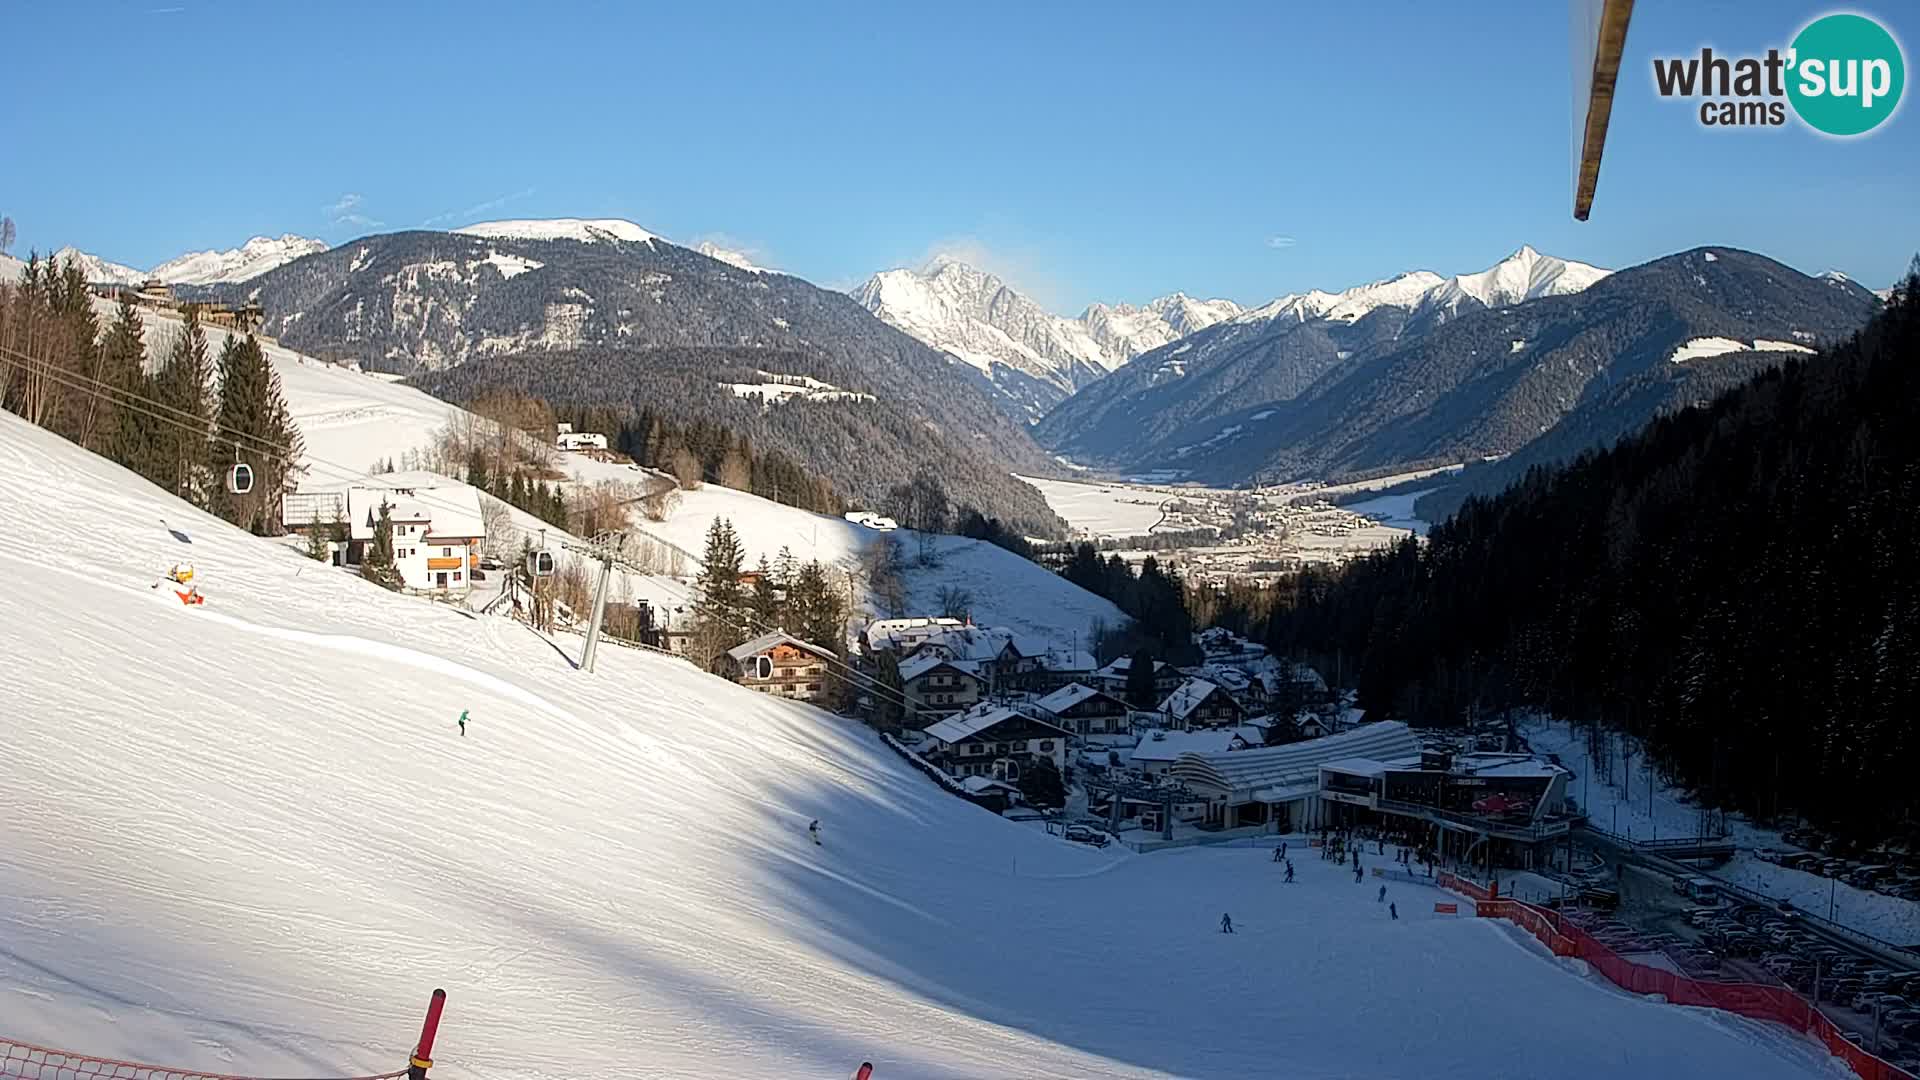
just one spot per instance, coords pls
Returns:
(244, 263)
(1524, 275)
(1034, 356)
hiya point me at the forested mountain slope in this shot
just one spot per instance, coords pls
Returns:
(1739, 584)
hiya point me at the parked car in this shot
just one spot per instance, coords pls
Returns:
(1087, 834)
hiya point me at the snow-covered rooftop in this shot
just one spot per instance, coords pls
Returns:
(974, 721)
(1294, 763)
(1188, 697)
(920, 664)
(772, 638)
(1068, 696)
(1169, 745)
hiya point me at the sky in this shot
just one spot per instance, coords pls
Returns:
(1083, 151)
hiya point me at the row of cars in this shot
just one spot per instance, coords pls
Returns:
(1694, 960)
(1809, 964)
(1880, 870)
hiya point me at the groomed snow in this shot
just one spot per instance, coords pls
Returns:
(1703, 347)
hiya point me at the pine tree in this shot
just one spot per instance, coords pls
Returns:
(1140, 690)
(184, 387)
(719, 611)
(254, 427)
(764, 601)
(125, 436)
(377, 566)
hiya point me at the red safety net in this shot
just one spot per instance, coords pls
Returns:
(1776, 1003)
(25, 1061)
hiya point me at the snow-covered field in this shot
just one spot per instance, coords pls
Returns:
(1394, 511)
(1634, 808)
(1102, 510)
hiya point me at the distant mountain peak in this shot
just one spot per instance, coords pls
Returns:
(731, 257)
(585, 230)
(244, 263)
(1034, 356)
(98, 270)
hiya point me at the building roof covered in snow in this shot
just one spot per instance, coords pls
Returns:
(1170, 745)
(1068, 696)
(977, 785)
(1118, 667)
(1188, 697)
(451, 510)
(902, 633)
(915, 666)
(977, 643)
(1294, 764)
(978, 719)
(1075, 660)
(774, 638)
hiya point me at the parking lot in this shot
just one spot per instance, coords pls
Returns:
(1733, 941)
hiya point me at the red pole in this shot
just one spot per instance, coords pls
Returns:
(865, 1072)
(423, 1050)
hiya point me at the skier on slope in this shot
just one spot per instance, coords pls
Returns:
(1393, 911)
(1383, 895)
(463, 723)
(1226, 923)
(1278, 855)
(1289, 873)
(813, 830)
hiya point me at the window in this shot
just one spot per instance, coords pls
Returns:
(446, 553)
(968, 749)
(1046, 746)
(456, 575)
(813, 686)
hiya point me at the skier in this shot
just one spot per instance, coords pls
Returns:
(1393, 910)
(1357, 875)
(813, 830)
(1226, 923)
(1278, 855)
(1383, 895)
(1289, 872)
(1283, 849)
(463, 723)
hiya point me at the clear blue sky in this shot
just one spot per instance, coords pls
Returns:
(1088, 151)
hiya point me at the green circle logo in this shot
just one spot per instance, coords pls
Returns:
(1847, 74)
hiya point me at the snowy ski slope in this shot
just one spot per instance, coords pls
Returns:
(247, 837)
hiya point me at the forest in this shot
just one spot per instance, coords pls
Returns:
(1736, 586)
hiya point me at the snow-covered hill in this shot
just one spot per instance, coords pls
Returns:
(1032, 355)
(248, 837)
(586, 230)
(244, 263)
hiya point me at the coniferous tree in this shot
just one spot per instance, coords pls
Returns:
(252, 427)
(125, 434)
(719, 613)
(764, 602)
(1140, 689)
(377, 565)
(184, 386)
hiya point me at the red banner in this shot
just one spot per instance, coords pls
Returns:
(1446, 909)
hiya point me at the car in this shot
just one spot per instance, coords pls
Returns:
(1087, 834)
(488, 562)
(1767, 854)
(1868, 999)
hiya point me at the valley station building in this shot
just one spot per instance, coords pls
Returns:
(1507, 808)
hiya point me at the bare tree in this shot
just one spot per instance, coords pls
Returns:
(955, 602)
(6, 235)
(503, 537)
(686, 468)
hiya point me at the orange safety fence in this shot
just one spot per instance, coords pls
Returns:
(25, 1061)
(1776, 1003)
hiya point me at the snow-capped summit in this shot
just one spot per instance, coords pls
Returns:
(587, 230)
(244, 263)
(1401, 290)
(1033, 355)
(1524, 275)
(98, 270)
(729, 256)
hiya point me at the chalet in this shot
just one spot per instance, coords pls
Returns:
(1113, 677)
(1248, 690)
(568, 439)
(1003, 659)
(777, 663)
(1060, 667)
(996, 795)
(903, 635)
(437, 526)
(1085, 711)
(937, 686)
(1224, 647)
(1198, 703)
(992, 740)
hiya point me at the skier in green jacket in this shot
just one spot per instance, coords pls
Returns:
(463, 723)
